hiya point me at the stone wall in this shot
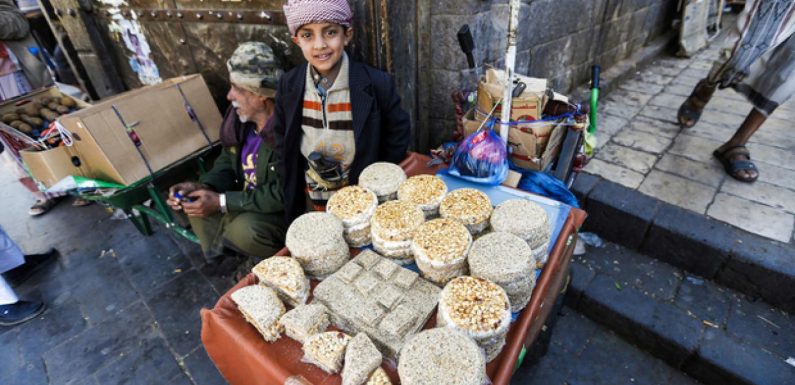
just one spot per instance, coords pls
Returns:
(558, 40)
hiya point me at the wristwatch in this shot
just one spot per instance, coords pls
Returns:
(222, 202)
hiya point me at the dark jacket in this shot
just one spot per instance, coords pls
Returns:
(226, 176)
(382, 130)
(15, 33)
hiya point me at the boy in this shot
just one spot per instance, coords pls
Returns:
(332, 113)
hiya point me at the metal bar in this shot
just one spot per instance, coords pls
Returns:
(202, 16)
(185, 233)
(159, 203)
(137, 144)
(192, 114)
(510, 62)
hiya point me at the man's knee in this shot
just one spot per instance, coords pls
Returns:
(254, 236)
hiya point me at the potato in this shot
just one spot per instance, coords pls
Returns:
(31, 109)
(45, 100)
(62, 109)
(10, 117)
(35, 122)
(48, 114)
(67, 101)
(21, 126)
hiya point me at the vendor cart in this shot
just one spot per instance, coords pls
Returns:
(243, 357)
(144, 199)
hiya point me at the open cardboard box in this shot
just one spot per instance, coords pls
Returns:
(102, 148)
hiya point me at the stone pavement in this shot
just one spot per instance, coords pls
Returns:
(642, 147)
(123, 308)
(583, 352)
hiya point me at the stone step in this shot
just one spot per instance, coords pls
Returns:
(584, 352)
(700, 245)
(712, 333)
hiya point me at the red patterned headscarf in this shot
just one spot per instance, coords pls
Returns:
(302, 12)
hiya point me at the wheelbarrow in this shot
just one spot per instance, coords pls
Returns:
(133, 199)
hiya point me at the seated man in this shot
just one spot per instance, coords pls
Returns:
(238, 204)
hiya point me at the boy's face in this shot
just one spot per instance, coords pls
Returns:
(322, 44)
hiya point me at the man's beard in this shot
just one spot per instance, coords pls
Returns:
(241, 118)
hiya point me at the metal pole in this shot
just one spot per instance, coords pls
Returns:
(510, 62)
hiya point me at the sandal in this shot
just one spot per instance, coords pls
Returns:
(690, 111)
(80, 202)
(731, 159)
(42, 206)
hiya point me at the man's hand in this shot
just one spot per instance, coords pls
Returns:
(205, 203)
(184, 189)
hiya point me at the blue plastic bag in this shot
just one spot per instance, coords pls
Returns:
(546, 185)
(481, 158)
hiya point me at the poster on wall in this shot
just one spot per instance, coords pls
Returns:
(128, 31)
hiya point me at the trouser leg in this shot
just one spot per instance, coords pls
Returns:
(209, 231)
(255, 235)
(7, 295)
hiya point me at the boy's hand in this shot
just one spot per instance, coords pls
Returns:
(180, 189)
(205, 203)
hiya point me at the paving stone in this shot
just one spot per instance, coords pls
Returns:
(50, 329)
(718, 133)
(654, 127)
(619, 108)
(761, 267)
(753, 217)
(617, 174)
(667, 100)
(698, 73)
(676, 333)
(583, 184)
(149, 362)
(654, 278)
(105, 293)
(783, 158)
(678, 89)
(620, 214)
(581, 276)
(761, 192)
(100, 345)
(640, 86)
(651, 77)
(724, 359)
(659, 113)
(643, 141)
(685, 81)
(776, 175)
(610, 123)
(668, 69)
(151, 261)
(709, 174)
(624, 309)
(689, 241)
(629, 98)
(694, 147)
(700, 65)
(731, 106)
(763, 325)
(551, 369)
(704, 299)
(30, 372)
(201, 369)
(10, 358)
(176, 306)
(626, 157)
(720, 118)
(625, 365)
(678, 191)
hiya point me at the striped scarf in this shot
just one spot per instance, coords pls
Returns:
(327, 125)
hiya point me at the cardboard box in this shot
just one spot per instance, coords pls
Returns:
(471, 124)
(527, 143)
(527, 106)
(103, 149)
(48, 166)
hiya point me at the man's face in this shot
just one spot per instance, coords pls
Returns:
(322, 44)
(245, 102)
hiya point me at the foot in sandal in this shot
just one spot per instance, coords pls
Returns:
(690, 111)
(736, 160)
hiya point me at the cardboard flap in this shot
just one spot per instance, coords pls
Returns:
(50, 166)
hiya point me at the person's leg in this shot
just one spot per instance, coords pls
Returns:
(255, 235)
(209, 231)
(690, 111)
(12, 310)
(7, 294)
(11, 256)
(734, 155)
